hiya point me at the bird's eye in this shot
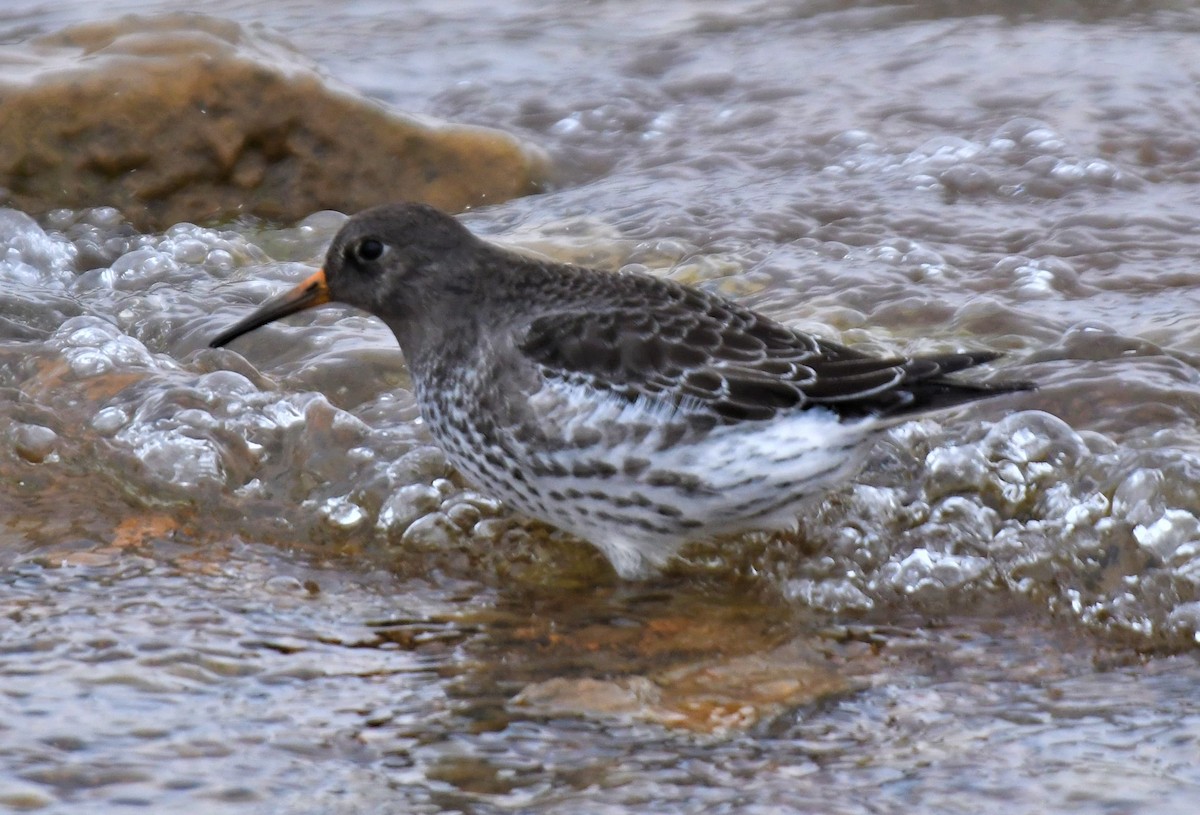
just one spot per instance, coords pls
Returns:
(369, 249)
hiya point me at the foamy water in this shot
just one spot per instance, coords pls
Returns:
(237, 580)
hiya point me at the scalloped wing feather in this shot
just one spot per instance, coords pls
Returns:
(702, 353)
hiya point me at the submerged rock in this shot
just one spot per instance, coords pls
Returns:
(192, 118)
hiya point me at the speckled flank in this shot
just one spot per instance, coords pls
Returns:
(620, 487)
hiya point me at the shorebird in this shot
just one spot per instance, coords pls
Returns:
(631, 411)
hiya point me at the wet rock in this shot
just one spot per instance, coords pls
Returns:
(285, 584)
(192, 118)
(18, 796)
(138, 530)
(710, 696)
(631, 696)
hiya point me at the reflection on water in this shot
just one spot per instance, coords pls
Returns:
(238, 580)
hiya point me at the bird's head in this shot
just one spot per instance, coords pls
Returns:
(395, 261)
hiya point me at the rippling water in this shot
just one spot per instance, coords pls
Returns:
(237, 581)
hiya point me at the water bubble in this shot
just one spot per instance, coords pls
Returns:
(342, 513)
(1139, 497)
(1185, 619)
(408, 504)
(219, 260)
(424, 463)
(461, 514)
(171, 456)
(102, 216)
(30, 256)
(109, 420)
(433, 532)
(923, 570)
(1166, 534)
(837, 596)
(32, 442)
(568, 126)
(93, 347)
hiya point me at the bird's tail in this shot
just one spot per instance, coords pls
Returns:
(928, 386)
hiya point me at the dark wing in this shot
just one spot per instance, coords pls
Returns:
(703, 353)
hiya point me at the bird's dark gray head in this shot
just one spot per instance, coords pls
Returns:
(392, 260)
(396, 261)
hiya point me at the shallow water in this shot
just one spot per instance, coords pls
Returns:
(245, 580)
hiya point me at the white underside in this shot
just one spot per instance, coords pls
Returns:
(785, 460)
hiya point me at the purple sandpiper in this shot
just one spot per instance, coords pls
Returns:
(633, 412)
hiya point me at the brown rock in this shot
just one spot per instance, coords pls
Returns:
(191, 118)
(713, 695)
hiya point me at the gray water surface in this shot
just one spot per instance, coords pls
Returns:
(244, 580)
